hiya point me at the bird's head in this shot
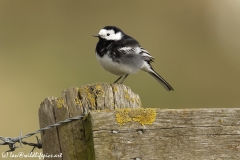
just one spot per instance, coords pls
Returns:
(110, 33)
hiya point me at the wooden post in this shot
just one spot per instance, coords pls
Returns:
(120, 129)
(182, 134)
(70, 139)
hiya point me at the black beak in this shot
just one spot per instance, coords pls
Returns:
(96, 35)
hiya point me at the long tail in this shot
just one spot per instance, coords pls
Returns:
(161, 80)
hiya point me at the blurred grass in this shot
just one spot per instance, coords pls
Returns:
(47, 46)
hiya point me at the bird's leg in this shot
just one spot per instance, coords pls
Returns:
(124, 78)
(118, 79)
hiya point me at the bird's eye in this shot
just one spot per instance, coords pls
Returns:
(108, 34)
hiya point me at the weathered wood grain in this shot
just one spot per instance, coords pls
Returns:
(112, 129)
(183, 134)
(49, 137)
(70, 139)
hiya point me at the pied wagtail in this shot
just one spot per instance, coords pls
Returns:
(122, 55)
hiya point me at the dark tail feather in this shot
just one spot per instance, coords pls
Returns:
(161, 81)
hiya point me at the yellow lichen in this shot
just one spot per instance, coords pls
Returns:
(137, 100)
(115, 88)
(90, 96)
(78, 101)
(90, 93)
(122, 116)
(60, 103)
(140, 115)
(87, 94)
(99, 90)
(128, 97)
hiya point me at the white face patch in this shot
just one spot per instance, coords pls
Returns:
(110, 35)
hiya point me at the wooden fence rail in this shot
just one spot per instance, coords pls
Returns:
(117, 128)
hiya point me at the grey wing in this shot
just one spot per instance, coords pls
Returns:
(146, 55)
(136, 50)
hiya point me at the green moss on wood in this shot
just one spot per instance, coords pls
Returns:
(89, 137)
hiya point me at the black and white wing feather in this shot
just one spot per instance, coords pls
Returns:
(137, 50)
(148, 59)
(131, 46)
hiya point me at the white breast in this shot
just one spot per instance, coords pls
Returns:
(114, 67)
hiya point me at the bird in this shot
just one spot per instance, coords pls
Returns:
(120, 54)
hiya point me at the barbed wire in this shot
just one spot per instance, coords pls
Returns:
(12, 141)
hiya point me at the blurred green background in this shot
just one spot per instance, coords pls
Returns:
(47, 46)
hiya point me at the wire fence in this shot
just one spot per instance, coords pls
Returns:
(11, 141)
